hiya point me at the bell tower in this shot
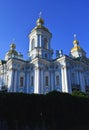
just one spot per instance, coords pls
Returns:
(40, 41)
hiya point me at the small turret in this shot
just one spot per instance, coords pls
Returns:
(59, 53)
(12, 53)
(77, 51)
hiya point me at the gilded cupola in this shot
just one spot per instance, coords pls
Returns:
(76, 44)
(40, 24)
(12, 53)
(12, 50)
(77, 51)
(40, 21)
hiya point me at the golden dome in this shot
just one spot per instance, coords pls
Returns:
(76, 48)
(12, 52)
(40, 21)
(12, 46)
(76, 42)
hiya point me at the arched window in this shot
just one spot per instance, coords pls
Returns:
(45, 43)
(57, 80)
(46, 81)
(32, 81)
(21, 81)
(32, 44)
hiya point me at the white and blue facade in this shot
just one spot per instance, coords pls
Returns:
(41, 73)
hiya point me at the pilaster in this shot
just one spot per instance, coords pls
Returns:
(11, 80)
(64, 79)
(15, 81)
(40, 40)
(42, 82)
(37, 80)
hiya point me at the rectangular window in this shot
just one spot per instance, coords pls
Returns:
(57, 80)
(46, 81)
(32, 81)
(73, 78)
(21, 81)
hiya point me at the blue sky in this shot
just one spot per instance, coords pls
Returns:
(63, 18)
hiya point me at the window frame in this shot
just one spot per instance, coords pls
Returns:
(21, 81)
(45, 43)
(57, 80)
(46, 81)
(32, 44)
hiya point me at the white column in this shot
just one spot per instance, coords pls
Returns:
(35, 83)
(11, 81)
(29, 45)
(63, 81)
(37, 80)
(40, 40)
(66, 79)
(42, 81)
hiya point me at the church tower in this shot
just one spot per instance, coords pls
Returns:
(77, 51)
(39, 41)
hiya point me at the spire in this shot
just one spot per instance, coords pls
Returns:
(75, 36)
(40, 14)
(75, 40)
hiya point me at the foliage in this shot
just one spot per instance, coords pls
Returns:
(79, 93)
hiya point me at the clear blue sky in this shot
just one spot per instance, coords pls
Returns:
(62, 17)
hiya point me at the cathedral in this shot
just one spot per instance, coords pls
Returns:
(41, 73)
